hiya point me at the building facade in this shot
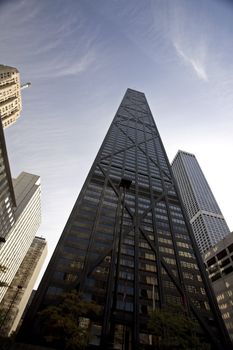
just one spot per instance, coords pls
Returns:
(20, 289)
(127, 244)
(28, 217)
(20, 214)
(10, 95)
(219, 264)
(208, 223)
(7, 197)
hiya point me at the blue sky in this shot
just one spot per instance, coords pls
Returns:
(81, 56)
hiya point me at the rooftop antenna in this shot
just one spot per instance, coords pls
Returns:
(24, 86)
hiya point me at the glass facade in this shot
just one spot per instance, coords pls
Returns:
(219, 265)
(208, 223)
(28, 217)
(7, 197)
(126, 244)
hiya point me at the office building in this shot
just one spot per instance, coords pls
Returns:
(219, 264)
(10, 95)
(208, 223)
(19, 215)
(20, 289)
(127, 244)
(7, 197)
(27, 220)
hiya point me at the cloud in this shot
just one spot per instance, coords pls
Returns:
(168, 26)
(61, 41)
(64, 66)
(195, 62)
(80, 66)
(74, 67)
(189, 38)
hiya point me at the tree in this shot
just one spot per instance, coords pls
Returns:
(173, 329)
(62, 324)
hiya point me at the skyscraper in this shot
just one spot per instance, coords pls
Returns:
(208, 223)
(20, 213)
(127, 244)
(28, 218)
(7, 196)
(219, 264)
(10, 95)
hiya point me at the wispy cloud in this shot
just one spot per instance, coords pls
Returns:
(61, 41)
(188, 38)
(61, 66)
(167, 23)
(195, 62)
(80, 66)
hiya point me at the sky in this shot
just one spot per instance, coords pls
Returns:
(82, 55)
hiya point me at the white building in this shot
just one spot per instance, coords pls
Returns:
(28, 217)
(10, 95)
(208, 223)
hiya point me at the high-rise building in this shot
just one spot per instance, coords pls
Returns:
(127, 244)
(20, 289)
(10, 95)
(28, 217)
(7, 197)
(20, 216)
(219, 264)
(208, 223)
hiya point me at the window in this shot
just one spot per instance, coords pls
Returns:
(151, 268)
(211, 261)
(95, 334)
(166, 250)
(144, 245)
(186, 254)
(54, 290)
(124, 305)
(150, 256)
(216, 277)
(170, 261)
(225, 262)
(228, 270)
(183, 245)
(127, 251)
(126, 275)
(189, 265)
(222, 254)
(124, 289)
(70, 250)
(151, 280)
(126, 262)
(145, 338)
(69, 277)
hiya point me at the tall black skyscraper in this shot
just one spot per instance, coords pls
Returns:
(7, 196)
(127, 244)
